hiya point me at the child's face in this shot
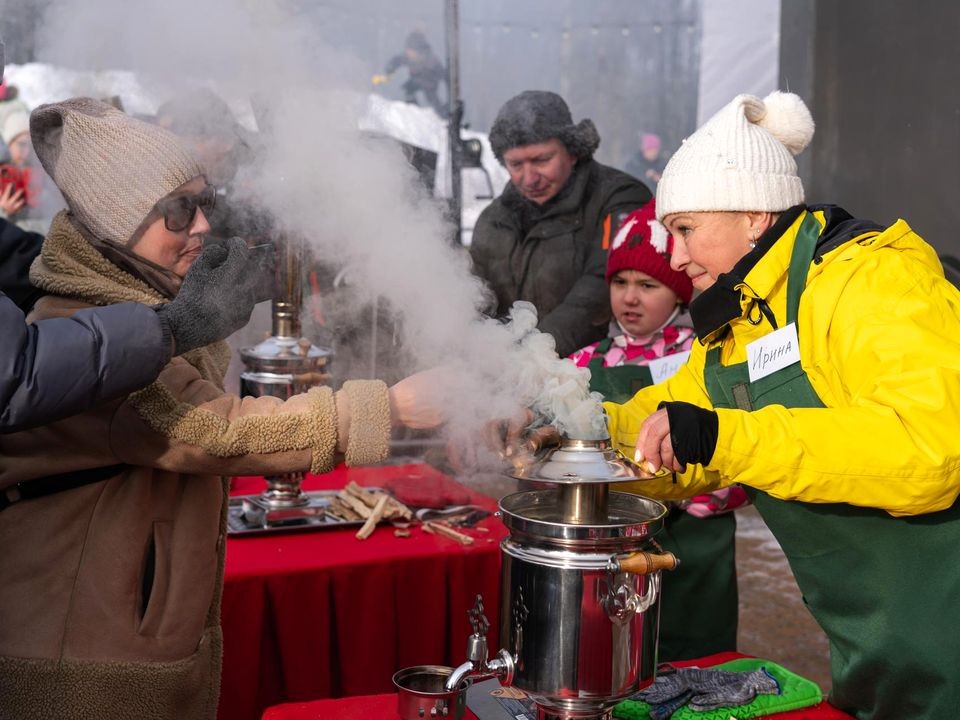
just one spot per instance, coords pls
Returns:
(20, 149)
(640, 303)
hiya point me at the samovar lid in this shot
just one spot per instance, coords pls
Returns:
(581, 461)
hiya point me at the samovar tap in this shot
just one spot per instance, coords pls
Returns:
(478, 666)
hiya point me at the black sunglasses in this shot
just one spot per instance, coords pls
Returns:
(179, 211)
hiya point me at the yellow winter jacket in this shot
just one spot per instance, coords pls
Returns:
(879, 330)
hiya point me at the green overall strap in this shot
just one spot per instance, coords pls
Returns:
(804, 248)
(884, 610)
(616, 384)
(596, 362)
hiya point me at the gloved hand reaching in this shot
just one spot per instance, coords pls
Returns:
(379, 79)
(678, 433)
(217, 295)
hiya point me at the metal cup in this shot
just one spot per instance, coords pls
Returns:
(421, 693)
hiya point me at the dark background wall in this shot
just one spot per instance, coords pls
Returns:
(883, 81)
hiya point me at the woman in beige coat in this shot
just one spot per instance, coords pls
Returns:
(110, 586)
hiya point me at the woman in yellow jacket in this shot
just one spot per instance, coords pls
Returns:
(826, 381)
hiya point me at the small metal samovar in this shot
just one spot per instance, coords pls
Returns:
(284, 365)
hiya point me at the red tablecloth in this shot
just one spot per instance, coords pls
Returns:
(384, 707)
(320, 614)
(365, 707)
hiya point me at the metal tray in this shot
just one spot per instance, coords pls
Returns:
(238, 525)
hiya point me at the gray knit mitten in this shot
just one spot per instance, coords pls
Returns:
(667, 686)
(704, 689)
(732, 689)
(217, 295)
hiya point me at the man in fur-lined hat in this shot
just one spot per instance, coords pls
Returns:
(545, 239)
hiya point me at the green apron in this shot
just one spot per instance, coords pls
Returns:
(885, 590)
(616, 384)
(698, 613)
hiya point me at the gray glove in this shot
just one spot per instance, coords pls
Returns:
(217, 295)
(704, 689)
(733, 689)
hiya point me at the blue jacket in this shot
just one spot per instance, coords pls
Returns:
(61, 366)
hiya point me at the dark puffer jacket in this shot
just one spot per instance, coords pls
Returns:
(558, 263)
(18, 248)
(59, 367)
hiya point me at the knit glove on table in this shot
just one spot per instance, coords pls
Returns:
(217, 295)
(704, 689)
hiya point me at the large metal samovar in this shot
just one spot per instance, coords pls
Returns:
(580, 586)
(284, 365)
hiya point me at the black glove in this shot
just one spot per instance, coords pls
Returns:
(217, 295)
(693, 432)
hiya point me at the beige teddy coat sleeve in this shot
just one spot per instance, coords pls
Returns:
(184, 423)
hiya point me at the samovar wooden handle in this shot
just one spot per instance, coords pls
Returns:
(644, 563)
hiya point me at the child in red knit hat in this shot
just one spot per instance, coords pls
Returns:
(650, 338)
(648, 299)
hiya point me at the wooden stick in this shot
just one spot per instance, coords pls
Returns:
(447, 531)
(343, 510)
(398, 509)
(365, 496)
(332, 512)
(368, 527)
(395, 508)
(358, 506)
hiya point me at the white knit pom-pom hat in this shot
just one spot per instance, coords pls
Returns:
(740, 159)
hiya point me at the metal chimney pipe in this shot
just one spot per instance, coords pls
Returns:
(452, 18)
(281, 366)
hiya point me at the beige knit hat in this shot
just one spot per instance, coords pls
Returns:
(110, 167)
(740, 159)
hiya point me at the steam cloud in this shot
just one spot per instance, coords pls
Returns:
(356, 199)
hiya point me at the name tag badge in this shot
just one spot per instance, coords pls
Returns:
(773, 352)
(667, 366)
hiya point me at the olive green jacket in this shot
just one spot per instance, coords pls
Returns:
(559, 263)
